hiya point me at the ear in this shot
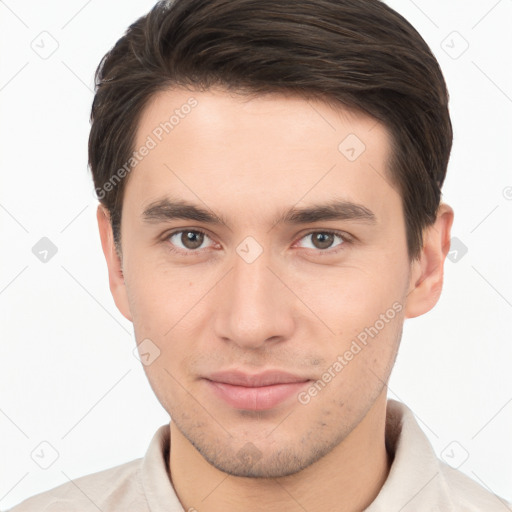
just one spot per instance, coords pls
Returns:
(426, 280)
(114, 263)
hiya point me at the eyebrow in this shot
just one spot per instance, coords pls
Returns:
(165, 210)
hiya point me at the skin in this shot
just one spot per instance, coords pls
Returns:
(296, 308)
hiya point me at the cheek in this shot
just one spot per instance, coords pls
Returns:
(350, 299)
(153, 291)
(165, 310)
(364, 314)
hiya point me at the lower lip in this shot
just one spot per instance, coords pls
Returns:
(257, 398)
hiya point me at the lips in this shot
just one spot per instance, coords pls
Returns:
(255, 391)
(267, 378)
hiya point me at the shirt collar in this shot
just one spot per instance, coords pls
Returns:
(155, 475)
(415, 481)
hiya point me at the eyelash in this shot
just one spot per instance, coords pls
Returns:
(347, 239)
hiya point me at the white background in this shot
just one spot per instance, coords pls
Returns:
(67, 372)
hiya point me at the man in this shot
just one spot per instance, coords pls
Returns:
(270, 176)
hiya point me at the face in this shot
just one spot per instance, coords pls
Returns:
(275, 284)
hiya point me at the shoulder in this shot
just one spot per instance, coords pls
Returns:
(116, 488)
(419, 481)
(467, 494)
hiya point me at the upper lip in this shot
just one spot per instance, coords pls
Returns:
(267, 378)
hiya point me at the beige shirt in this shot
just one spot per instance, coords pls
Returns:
(417, 482)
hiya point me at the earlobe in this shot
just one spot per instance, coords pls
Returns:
(114, 263)
(426, 281)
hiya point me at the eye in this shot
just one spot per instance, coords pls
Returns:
(324, 240)
(187, 240)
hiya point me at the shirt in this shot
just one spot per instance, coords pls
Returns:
(417, 481)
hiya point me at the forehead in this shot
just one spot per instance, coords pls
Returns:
(270, 148)
(220, 112)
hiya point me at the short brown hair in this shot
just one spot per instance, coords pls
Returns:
(359, 54)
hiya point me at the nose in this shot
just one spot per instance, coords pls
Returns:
(255, 305)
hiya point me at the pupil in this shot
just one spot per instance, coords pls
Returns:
(324, 239)
(190, 236)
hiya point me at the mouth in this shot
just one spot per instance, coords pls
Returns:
(255, 392)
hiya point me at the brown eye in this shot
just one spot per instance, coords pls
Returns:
(187, 240)
(192, 239)
(324, 240)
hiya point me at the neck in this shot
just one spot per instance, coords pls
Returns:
(347, 479)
